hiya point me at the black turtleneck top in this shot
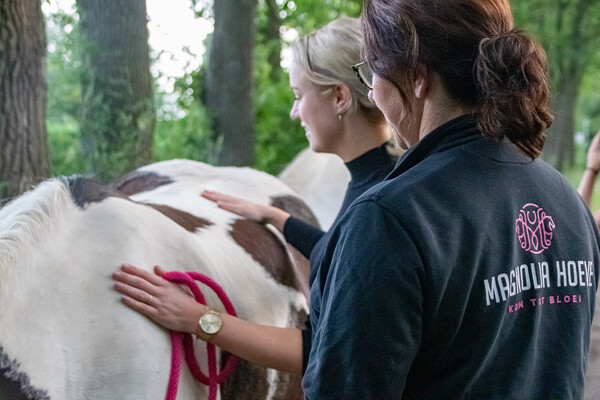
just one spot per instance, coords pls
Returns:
(366, 170)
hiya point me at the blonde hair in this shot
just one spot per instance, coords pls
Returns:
(326, 56)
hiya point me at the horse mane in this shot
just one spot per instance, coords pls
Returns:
(25, 219)
(17, 382)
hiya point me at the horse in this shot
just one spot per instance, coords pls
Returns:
(64, 333)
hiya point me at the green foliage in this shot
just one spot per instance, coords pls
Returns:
(111, 137)
(117, 114)
(65, 147)
(183, 127)
(64, 109)
(308, 15)
(588, 101)
(63, 94)
(278, 138)
(63, 66)
(570, 33)
(568, 29)
(188, 137)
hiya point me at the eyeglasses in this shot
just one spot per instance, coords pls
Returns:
(364, 73)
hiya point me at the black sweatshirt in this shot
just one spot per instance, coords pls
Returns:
(470, 272)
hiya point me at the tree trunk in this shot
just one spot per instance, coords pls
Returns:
(559, 149)
(272, 39)
(118, 114)
(228, 95)
(24, 158)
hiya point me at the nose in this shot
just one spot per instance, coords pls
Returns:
(294, 111)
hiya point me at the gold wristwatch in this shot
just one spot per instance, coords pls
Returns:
(210, 323)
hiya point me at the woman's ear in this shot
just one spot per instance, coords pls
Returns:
(343, 98)
(422, 82)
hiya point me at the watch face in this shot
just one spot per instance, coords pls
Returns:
(210, 323)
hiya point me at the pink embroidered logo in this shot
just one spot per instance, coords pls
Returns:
(534, 228)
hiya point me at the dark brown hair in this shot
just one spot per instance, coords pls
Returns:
(482, 60)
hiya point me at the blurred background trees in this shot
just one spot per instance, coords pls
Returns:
(23, 146)
(106, 113)
(117, 114)
(570, 33)
(232, 110)
(229, 81)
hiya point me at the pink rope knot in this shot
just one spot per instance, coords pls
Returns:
(183, 343)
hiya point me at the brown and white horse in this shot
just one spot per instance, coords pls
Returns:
(63, 332)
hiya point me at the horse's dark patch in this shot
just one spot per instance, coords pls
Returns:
(15, 385)
(85, 190)
(266, 249)
(248, 382)
(296, 207)
(137, 182)
(289, 387)
(186, 220)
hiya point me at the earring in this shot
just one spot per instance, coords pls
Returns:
(340, 116)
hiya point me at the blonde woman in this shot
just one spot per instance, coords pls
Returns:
(334, 109)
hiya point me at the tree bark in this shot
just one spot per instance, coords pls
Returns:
(118, 114)
(24, 158)
(272, 38)
(228, 95)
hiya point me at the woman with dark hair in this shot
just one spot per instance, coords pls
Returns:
(471, 271)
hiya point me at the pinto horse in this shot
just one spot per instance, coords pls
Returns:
(63, 332)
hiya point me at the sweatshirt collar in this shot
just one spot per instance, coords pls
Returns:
(454, 133)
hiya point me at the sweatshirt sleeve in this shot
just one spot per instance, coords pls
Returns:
(301, 235)
(369, 322)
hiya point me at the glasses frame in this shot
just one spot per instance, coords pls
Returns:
(356, 68)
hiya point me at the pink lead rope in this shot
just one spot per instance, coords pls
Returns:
(183, 341)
